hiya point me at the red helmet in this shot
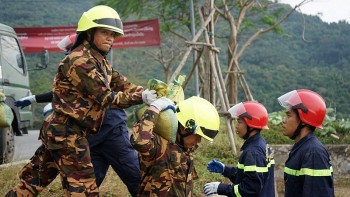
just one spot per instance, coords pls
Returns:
(254, 114)
(310, 105)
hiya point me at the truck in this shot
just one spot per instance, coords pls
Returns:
(14, 83)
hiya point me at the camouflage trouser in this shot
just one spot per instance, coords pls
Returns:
(66, 151)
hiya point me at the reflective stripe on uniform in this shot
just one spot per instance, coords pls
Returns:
(255, 168)
(309, 172)
(235, 188)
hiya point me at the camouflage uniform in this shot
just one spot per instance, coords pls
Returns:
(84, 87)
(166, 168)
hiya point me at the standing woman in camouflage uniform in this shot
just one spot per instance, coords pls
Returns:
(167, 168)
(84, 87)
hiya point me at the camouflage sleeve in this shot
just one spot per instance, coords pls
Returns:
(86, 78)
(127, 92)
(143, 139)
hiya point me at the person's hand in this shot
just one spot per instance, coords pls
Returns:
(211, 188)
(47, 109)
(163, 103)
(215, 166)
(148, 96)
(25, 101)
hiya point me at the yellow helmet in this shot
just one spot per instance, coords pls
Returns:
(101, 16)
(198, 116)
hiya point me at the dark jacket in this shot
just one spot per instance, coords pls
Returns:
(254, 174)
(308, 170)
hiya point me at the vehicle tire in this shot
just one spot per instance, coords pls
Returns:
(7, 145)
(24, 130)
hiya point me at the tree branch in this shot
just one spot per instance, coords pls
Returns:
(261, 31)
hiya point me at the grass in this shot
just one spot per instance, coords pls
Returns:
(113, 187)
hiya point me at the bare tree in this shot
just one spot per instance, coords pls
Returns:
(168, 52)
(234, 50)
(240, 15)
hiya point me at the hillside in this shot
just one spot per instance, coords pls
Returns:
(273, 64)
(279, 63)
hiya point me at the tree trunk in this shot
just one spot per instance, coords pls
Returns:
(232, 81)
(207, 78)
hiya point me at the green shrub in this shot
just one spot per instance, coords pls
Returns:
(334, 131)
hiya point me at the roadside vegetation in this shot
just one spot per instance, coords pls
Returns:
(220, 149)
(335, 130)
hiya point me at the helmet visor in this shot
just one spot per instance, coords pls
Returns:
(113, 22)
(209, 133)
(292, 100)
(192, 128)
(239, 111)
(289, 99)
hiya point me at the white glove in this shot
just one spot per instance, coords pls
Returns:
(25, 101)
(148, 96)
(47, 109)
(211, 188)
(163, 103)
(31, 98)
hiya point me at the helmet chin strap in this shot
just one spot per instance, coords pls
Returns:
(180, 137)
(180, 140)
(297, 130)
(94, 47)
(247, 134)
(91, 42)
(182, 133)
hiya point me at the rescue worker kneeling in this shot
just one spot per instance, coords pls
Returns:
(167, 168)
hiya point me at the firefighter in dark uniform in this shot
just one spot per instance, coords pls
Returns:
(254, 174)
(168, 167)
(308, 170)
(84, 87)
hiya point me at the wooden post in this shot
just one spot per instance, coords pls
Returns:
(212, 83)
(220, 85)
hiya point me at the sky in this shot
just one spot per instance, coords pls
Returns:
(331, 10)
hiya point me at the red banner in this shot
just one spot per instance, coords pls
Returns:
(136, 34)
